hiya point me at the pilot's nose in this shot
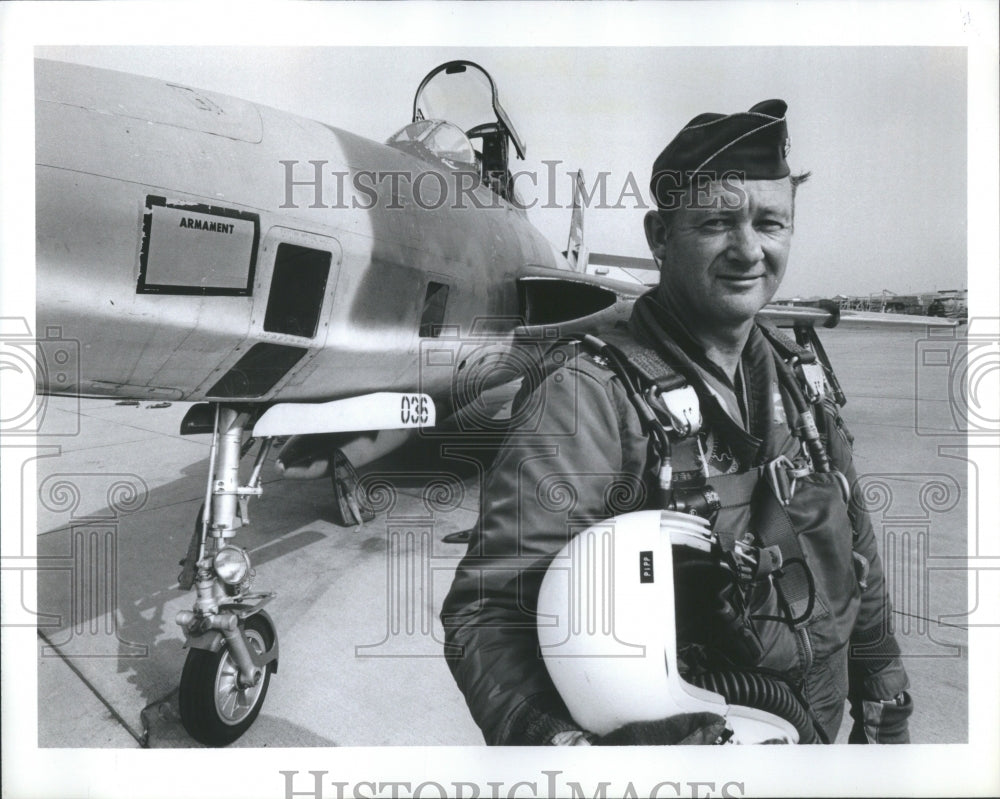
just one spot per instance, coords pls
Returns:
(745, 244)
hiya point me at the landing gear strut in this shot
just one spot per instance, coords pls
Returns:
(232, 641)
(352, 506)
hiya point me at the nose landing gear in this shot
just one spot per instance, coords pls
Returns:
(232, 641)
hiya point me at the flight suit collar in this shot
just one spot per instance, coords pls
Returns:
(753, 442)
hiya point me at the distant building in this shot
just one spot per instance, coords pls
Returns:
(953, 303)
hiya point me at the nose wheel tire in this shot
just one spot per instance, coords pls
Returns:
(215, 707)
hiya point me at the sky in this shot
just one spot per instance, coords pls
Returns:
(882, 130)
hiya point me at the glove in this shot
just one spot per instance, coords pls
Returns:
(687, 728)
(884, 721)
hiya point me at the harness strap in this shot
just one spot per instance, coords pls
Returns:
(785, 346)
(769, 518)
(736, 490)
(774, 528)
(646, 361)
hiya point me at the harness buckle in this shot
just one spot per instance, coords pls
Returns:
(813, 381)
(782, 475)
(811, 378)
(680, 406)
(776, 473)
(756, 562)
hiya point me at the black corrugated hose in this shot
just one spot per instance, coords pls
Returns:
(762, 692)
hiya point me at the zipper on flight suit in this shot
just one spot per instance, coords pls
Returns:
(805, 649)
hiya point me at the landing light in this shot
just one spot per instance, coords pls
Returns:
(232, 565)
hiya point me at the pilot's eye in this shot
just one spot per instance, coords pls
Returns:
(715, 223)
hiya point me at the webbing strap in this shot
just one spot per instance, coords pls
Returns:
(646, 361)
(794, 581)
(785, 346)
(736, 490)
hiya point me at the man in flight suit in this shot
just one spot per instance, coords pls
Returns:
(720, 236)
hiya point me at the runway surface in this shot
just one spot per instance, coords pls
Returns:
(356, 610)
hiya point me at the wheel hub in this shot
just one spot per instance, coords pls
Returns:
(233, 699)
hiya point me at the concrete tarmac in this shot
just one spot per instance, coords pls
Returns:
(356, 608)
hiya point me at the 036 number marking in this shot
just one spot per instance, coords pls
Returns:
(413, 409)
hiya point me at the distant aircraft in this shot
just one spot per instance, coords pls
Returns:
(293, 280)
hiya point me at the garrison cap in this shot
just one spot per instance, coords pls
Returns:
(751, 143)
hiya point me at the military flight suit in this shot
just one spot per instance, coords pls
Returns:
(582, 457)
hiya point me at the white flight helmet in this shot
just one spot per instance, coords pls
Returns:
(607, 632)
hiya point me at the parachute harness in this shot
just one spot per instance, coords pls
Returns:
(668, 409)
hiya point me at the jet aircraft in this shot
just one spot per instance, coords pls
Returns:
(293, 281)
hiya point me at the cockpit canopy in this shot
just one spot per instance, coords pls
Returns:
(461, 96)
(444, 140)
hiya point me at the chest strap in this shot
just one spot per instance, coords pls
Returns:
(795, 583)
(762, 490)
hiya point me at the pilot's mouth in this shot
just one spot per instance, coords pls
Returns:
(740, 279)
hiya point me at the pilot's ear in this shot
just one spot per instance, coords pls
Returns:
(656, 234)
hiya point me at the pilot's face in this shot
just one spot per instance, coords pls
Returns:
(723, 254)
